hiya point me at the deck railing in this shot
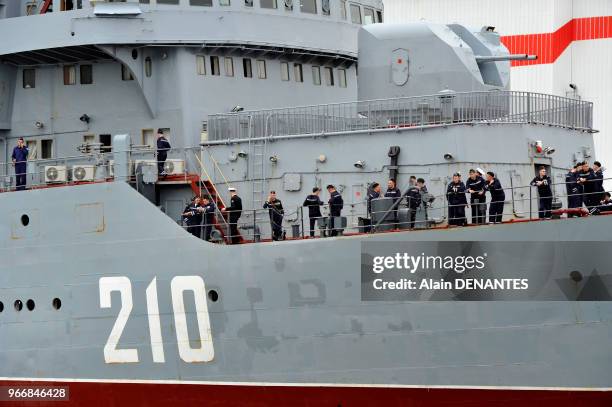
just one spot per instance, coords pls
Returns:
(442, 109)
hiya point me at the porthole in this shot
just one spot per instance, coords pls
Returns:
(18, 305)
(213, 295)
(25, 220)
(30, 304)
(134, 54)
(1, 306)
(57, 303)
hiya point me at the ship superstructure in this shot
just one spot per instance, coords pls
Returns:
(102, 292)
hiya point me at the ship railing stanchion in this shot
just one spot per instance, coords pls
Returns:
(530, 203)
(301, 211)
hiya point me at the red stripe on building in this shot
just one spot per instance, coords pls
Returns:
(549, 46)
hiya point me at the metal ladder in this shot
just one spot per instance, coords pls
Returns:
(257, 170)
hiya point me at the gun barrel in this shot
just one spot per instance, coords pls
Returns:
(508, 57)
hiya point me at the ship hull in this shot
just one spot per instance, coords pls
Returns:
(152, 394)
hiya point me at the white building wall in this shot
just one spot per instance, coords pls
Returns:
(585, 63)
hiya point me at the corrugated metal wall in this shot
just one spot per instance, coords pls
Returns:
(572, 38)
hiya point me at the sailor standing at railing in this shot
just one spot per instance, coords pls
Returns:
(234, 211)
(336, 203)
(20, 162)
(586, 178)
(276, 212)
(476, 187)
(163, 145)
(498, 198)
(394, 192)
(543, 183)
(455, 193)
(314, 203)
(373, 193)
(574, 191)
(598, 181)
(413, 200)
(208, 213)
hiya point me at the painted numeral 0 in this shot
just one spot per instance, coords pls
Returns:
(178, 286)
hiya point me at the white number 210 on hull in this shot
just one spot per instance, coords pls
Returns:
(178, 286)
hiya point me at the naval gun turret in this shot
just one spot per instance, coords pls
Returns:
(421, 58)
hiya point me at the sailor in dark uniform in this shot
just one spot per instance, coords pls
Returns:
(314, 203)
(20, 161)
(373, 193)
(605, 206)
(455, 193)
(394, 192)
(208, 213)
(475, 185)
(193, 217)
(586, 178)
(234, 211)
(413, 201)
(598, 178)
(498, 197)
(543, 183)
(335, 207)
(163, 145)
(276, 212)
(574, 190)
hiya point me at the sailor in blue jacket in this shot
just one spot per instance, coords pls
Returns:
(20, 161)
(598, 178)
(314, 203)
(455, 193)
(543, 183)
(373, 193)
(498, 197)
(573, 189)
(208, 212)
(336, 203)
(163, 145)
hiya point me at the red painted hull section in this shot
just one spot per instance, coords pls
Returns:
(99, 394)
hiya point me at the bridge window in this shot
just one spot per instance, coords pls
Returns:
(329, 76)
(368, 15)
(342, 78)
(308, 6)
(70, 75)
(148, 67)
(86, 72)
(167, 1)
(229, 66)
(214, 66)
(29, 78)
(325, 9)
(379, 16)
(203, 3)
(261, 69)
(316, 75)
(247, 69)
(126, 74)
(268, 4)
(343, 9)
(284, 66)
(298, 73)
(201, 64)
(144, 1)
(355, 14)
(224, 2)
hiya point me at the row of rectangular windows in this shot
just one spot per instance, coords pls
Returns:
(86, 72)
(369, 15)
(247, 70)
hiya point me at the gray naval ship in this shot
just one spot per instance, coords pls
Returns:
(106, 299)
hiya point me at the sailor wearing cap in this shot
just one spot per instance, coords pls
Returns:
(192, 217)
(455, 193)
(314, 203)
(373, 193)
(476, 187)
(498, 197)
(336, 203)
(235, 211)
(163, 145)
